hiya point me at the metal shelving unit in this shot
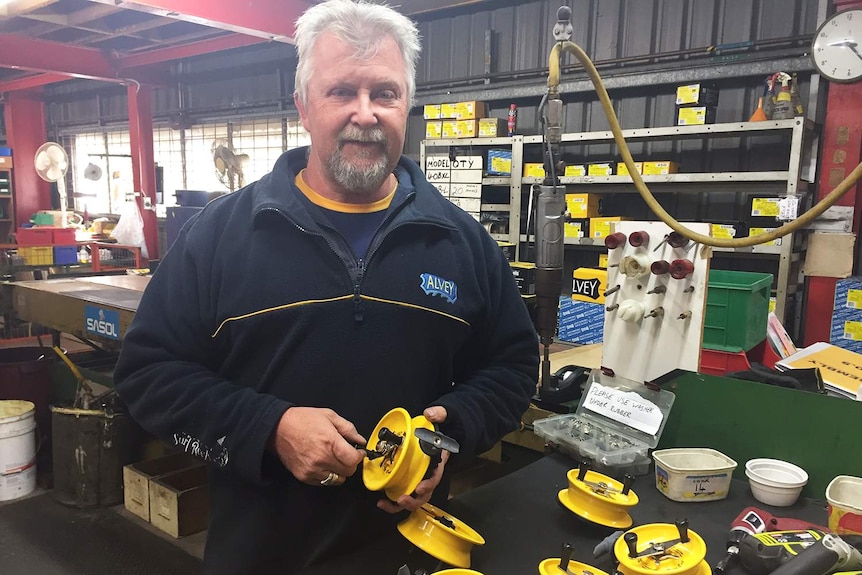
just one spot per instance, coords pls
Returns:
(790, 182)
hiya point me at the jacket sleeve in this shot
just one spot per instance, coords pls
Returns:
(496, 374)
(166, 373)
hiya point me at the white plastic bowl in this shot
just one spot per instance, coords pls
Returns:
(775, 482)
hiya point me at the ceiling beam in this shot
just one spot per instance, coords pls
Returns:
(29, 82)
(19, 7)
(187, 50)
(77, 18)
(268, 19)
(132, 31)
(22, 53)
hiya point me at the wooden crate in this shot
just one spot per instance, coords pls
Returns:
(179, 501)
(137, 477)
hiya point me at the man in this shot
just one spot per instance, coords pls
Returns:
(290, 316)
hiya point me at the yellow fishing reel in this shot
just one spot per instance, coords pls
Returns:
(401, 452)
(441, 536)
(599, 498)
(566, 566)
(662, 548)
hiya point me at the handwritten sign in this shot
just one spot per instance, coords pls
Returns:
(626, 407)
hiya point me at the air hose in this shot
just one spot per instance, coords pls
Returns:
(801, 222)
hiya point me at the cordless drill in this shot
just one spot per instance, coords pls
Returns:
(828, 555)
(753, 521)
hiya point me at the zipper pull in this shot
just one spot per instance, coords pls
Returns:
(358, 306)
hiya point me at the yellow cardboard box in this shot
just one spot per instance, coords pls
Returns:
(576, 229)
(660, 168)
(468, 128)
(447, 111)
(533, 170)
(760, 231)
(433, 129)
(695, 116)
(492, 127)
(601, 227)
(450, 129)
(600, 169)
(575, 171)
(768, 207)
(471, 110)
(589, 285)
(582, 206)
(724, 231)
(432, 111)
(623, 170)
(603, 261)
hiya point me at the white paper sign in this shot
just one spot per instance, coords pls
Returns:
(626, 407)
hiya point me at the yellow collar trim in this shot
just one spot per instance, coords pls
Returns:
(318, 200)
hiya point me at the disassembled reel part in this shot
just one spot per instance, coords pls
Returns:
(670, 548)
(599, 498)
(565, 566)
(440, 535)
(407, 449)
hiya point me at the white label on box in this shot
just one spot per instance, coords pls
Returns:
(467, 204)
(788, 208)
(626, 407)
(465, 190)
(443, 189)
(442, 162)
(454, 176)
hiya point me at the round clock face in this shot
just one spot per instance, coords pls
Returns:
(837, 47)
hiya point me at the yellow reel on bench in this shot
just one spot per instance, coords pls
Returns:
(661, 549)
(598, 498)
(440, 535)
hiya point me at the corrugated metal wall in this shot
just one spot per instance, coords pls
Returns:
(499, 50)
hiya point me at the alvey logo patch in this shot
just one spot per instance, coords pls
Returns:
(588, 287)
(435, 285)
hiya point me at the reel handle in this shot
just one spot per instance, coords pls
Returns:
(682, 528)
(628, 480)
(583, 467)
(566, 556)
(631, 540)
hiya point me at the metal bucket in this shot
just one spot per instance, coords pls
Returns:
(17, 449)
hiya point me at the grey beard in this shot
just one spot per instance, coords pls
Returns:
(350, 177)
(358, 179)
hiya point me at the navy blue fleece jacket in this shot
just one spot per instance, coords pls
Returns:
(260, 305)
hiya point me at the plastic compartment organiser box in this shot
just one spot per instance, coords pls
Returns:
(693, 474)
(737, 306)
(616, 424)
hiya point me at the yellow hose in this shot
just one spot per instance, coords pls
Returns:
(654, 205)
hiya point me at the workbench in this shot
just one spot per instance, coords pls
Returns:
(66, 305)
(523, 523)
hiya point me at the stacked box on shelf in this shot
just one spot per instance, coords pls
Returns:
(846, 329)
(65, 255)
(37, 255)
(35, 236)
(580, 321)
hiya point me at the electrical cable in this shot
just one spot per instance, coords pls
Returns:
(653, 204)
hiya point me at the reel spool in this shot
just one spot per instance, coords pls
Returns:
(441, 536)
(598, 498)
(406, 448)
(565, 566)
(662, 548)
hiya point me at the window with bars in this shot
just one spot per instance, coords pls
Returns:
(185, 156)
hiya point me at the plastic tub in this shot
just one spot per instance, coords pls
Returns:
(775, 482)
(737, 306)
(844, 495)
(693, 474)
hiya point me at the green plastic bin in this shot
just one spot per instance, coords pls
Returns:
(737, 305)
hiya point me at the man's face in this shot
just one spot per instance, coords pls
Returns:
(356, 113)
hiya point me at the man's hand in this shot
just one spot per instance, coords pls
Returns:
(423, 492)
(315, 442)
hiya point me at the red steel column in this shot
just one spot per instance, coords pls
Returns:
(143, 163)
(841, 152)
(25, 131)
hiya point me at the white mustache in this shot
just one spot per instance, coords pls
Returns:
(351, 134)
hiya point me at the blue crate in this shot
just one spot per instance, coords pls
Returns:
(65, 255)
(5, 151)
